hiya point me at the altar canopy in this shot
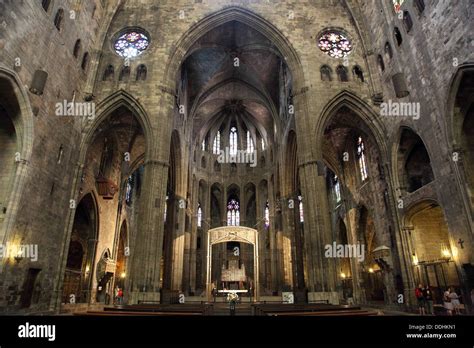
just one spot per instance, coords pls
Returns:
(234, 273)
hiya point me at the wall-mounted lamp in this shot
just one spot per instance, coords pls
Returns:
(123, 275)
(445, 252)
(415, 260)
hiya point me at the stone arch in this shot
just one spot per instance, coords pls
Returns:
(80, 258)
(412, 165)
(459, 123)
(454, 120)
(106, 108)
(431, 247)
(232, 13)
(366, 114)
(12, 91)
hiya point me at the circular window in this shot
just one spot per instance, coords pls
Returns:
(335, 44)
(131, 44)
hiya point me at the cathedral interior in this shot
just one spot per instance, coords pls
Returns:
(185, 150)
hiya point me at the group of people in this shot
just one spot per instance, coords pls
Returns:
(451, 302)
(118, 295)
(425, 300)
(424, 295)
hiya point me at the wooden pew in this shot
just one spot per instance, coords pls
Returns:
(128, 313)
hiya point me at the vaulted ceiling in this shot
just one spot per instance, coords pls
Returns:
(234, 69)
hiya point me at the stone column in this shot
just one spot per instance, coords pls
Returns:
(146, 258)
(191, 244)
(145, 263)
(317, 233)
(271, 236)
(177, 261)
(287, 241)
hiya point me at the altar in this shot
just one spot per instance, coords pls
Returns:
(232, 291)
(233, 250)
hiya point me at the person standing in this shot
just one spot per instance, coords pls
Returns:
(447, 302)
(428, 295)
(421, 299)
(455, 301)
(116, 292)
(120, 296)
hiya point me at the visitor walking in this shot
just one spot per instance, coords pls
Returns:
(421, 299)
(428, 295)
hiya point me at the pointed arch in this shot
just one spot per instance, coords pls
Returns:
(409, 148)
(107, 107)
(12, 89)
(366, 114)
(232, 13)
(80, 258)
(452, 120)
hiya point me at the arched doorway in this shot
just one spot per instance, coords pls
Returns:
(82, 248)
(430, 248)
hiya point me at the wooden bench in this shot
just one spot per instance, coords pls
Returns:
(128, 313)
(181, 308)
(263, 309)
(356, 313)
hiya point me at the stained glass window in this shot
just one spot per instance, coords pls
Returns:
(233, 141)
(397, 4)
(362, 160)
(267, 215)
(263, 145)
(199, 217)
(128, 191)
(300, 206)
(337, 189)
(216, 146)
(335, 44)
(203, 145)
(233, 213)
(131, 44)
(250, 147)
